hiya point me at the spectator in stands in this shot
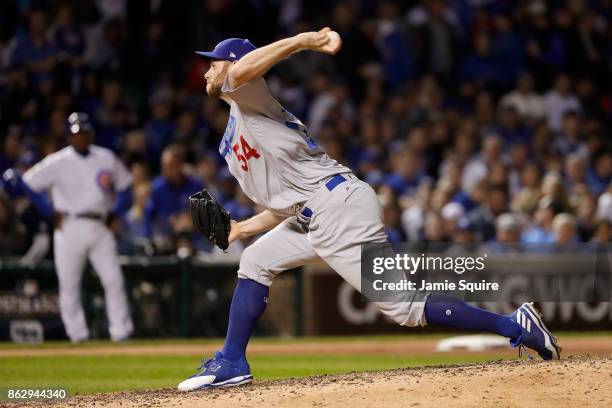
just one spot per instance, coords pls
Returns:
(135, 146)
(429, 108)
(575, 172)
(560, 100)
(479, 166)
(544, 48)
(541, 230)
(105, 53)
(33, 50)
(160, 128)
(413, 217)
(584, 208)
(600, 174)
(508, 228)
(602, 232)
(588, 96)
(510, 128)
(392, 215)
(38, 227)
(564, 229)
(464, 231)
(133, 224)
(434, 229)
(451, 213)
(68, 36)
(484, 216)
(438, 38)
(481, 65)
(207, 168)
(528, 195)
(507, 46)
(507, 236)
(569, 140)
(141, 173)
(518, 159)
(69, 41)
(183, 233)
(587, 48)
(169, 195)
(527, 103)
(604, 206)
(12, 149)
(397, 55)
(406, 172)
(241, 207)
(12, 231)
(553, 189)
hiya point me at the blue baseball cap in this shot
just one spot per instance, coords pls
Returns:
(231, 49)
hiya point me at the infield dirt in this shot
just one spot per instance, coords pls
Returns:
(574, 381)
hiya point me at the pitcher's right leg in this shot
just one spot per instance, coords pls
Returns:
(285, 247)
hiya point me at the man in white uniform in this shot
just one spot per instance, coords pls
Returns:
(316, 209)
(83, 180)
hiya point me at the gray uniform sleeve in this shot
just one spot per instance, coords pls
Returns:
(251, 96)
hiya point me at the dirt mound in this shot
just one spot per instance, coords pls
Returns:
(573, 381)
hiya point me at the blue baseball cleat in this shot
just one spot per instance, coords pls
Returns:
(218, 373)
(534, 333)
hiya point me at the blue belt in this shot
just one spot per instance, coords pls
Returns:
(334, 181)
(305, 214)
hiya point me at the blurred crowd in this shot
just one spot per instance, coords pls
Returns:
(475, 120)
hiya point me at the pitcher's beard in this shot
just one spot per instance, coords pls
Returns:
(214, 91)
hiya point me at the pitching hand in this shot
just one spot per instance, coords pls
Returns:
(325, 40)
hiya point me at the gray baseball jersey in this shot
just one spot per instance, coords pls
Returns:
(268, 150)
(280, 167)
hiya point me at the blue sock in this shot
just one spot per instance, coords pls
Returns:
(453, 312)
(248, 304)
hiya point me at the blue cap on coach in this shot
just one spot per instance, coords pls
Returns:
(231, 49)
(79, 122)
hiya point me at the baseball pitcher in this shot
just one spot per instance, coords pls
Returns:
(316, 209)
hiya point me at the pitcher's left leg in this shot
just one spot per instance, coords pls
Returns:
(346, 222)
(104, 259)
(350, 217)
(524, 327)
(347, 263)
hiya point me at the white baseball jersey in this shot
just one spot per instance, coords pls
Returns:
(269, 150)
(80, 183)
(85, 184)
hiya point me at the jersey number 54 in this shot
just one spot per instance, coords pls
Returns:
(247, 153)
